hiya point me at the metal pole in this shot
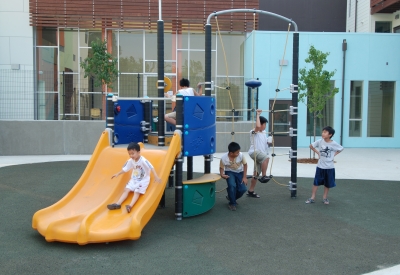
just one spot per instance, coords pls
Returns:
(110, 116)
(160, 82)
(207, 158)
(63, 94)
(295, 98)
(179, 162)
(344, 49)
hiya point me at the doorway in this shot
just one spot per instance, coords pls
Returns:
(281, 122)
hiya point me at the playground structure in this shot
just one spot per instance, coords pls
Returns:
(81, 216)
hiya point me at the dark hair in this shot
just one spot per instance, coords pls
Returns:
(329, 129)
(184, 82)
(263, 120)
(133, 146)
(233, 147)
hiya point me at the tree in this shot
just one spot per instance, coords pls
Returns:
(314, 84)
(100, 64)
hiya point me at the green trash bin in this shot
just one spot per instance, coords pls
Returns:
(199, 195)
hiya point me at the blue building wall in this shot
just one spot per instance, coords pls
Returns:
(369, 57)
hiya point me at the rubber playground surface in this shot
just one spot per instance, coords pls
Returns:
(359, 232)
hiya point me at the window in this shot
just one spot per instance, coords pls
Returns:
(355, 113)
(396, 29)
(380, 109)
(383, 26)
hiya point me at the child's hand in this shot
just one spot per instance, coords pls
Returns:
(157, 179)
(244, 180)
(225, 176)
(259, 111)
(114, 176)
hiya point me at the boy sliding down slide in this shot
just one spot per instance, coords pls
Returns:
(140, 177)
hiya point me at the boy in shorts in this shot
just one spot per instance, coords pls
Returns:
(233, 168)
(325, 173)
(140, 177)
(259, 153)
(185, 90)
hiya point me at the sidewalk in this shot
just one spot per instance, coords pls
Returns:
(352, 163)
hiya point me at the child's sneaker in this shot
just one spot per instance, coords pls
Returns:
(113, 206)
(232, 207)
(310, 200)
(325, 201)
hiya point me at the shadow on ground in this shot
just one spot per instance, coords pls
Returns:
(357, 233)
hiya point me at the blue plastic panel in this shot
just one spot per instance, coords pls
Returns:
(127, 126)
(198, 112)
(124, 134)
(131, 112)
(199, 142)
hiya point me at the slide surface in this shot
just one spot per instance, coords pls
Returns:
(82, 217)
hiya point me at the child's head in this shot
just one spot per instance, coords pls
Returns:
(184, 82)
(134, 150)
(233, 149)
(328, 132)
(263, 122)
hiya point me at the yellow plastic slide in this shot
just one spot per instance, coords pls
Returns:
(82, 216)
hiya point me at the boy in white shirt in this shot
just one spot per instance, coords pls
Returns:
(326, 149)
(233, 168)
(259, 153)
(140, 177)
(185, 90)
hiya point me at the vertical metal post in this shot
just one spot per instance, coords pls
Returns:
(63, 94)
(249, 101)
(295, 96)
(257, 96)
(160, 82)
(207, 62)
(344, 49)
(171, 178)
(110, 116)
(189, 170)
(147, 118)
(138, 85)
(179, 162)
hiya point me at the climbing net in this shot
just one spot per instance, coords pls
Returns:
(253, 84)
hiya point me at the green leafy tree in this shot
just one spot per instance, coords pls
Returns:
(100, 64)
(314, 84)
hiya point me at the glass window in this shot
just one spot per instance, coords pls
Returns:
(90, 106)
(70, 49)
(129, 85)
(380, 109)
(233, 50)
(131, 57)
(46, 36)
(86, 37)
(355, 112)
(325, 120)
(69, 95)
(47, 83)
(383, 27)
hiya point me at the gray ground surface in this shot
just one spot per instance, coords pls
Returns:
(358, 232)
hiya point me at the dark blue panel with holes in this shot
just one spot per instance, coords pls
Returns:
(124, 134)
(131, 112)
(199, 129)
(199, 142)
(198, 112)
(127, 117)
